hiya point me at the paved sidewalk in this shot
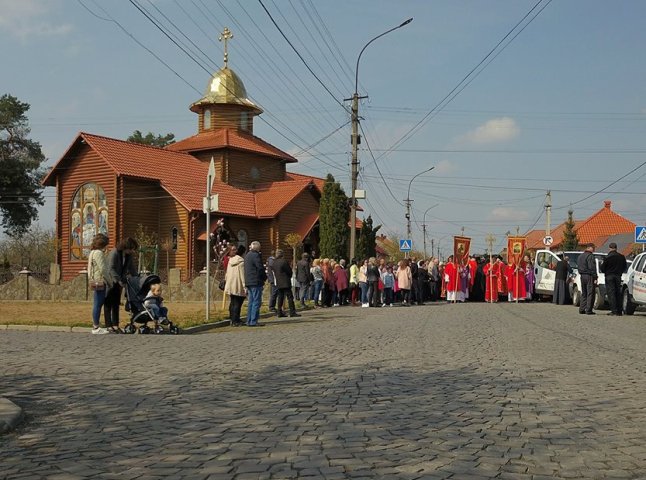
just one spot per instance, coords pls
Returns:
(442, 391)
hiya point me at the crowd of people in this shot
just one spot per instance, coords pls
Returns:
(372, 282)
(326, 282)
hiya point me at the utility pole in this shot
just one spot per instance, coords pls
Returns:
(356, 140)
(548, 212)
(424, 233)
(432, 246)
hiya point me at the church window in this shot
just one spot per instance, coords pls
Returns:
(88, 216)
(207, 118)
(242, 238)
(174, 238)
(244, 121)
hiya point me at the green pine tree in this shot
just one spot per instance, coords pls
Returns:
(333, 220)
(570, 238)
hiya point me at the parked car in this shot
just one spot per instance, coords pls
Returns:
(600, 298)
(545, 270)
(634, 288)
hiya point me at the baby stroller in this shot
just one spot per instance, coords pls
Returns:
(137, 288)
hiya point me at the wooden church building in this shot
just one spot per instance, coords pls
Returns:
(113, 186)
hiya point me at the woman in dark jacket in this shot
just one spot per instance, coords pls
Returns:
(120, 264)
(372, 276)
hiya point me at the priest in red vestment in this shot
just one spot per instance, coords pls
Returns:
(516, 279)
(491, 271)
(502, 278)
(451, 279)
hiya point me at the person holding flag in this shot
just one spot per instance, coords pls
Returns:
(516, 269)
(456, 271)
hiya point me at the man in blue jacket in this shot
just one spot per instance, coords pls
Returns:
(255, 277)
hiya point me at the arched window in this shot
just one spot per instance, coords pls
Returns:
(242, 238)
(88, 216)
(174, 238)
(207, 118)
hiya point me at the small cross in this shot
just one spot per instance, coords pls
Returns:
(226, 35)
(463, 231)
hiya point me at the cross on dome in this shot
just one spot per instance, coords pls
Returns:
(226, 36)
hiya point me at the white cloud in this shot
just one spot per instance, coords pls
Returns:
(445, 167)
(508, 214)
(496, 130)
(28, 18)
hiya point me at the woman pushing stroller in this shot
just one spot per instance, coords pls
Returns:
(120, 264)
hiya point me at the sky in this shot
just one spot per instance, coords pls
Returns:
(559, 105)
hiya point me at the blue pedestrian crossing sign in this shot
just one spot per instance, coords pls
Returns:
(405, 245)
(640, 235)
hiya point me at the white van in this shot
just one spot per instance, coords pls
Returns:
(634, 289)
(545, 269)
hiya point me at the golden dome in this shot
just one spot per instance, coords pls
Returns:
(225, 87)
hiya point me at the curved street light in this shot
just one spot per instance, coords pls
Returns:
(354, 173)
(424, 230)
(408, 201)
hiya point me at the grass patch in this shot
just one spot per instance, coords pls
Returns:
(79, 314)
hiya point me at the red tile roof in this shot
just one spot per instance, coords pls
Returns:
(594, 230)
(605, 222)
(273, 197)
(162, 165)
(306, 224)
(229, 138)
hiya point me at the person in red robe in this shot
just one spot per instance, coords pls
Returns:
(473, 267)
(491, 271)
(516, 281)
(502, 278)
(451, 280)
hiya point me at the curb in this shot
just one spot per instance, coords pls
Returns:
(187, 331)
(10, 415)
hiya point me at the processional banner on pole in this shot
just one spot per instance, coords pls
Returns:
(516, 249)
(461, 248)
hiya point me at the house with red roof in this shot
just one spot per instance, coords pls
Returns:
(595, 230)
(113, 186)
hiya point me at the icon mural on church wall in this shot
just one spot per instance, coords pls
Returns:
(89, 216)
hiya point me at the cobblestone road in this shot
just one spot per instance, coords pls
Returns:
(442, 391)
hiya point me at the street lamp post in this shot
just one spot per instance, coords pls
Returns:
(356, 139)
(409, 201)
(424, 229)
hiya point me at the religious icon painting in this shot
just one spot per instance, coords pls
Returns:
(87, 219)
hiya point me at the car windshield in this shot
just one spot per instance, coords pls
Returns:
(572, 259)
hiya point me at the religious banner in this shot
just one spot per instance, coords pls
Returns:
(515, 249)
(461, 248)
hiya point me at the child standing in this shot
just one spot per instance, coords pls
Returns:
(388, 279)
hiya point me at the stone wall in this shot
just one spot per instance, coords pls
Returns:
(26, 287)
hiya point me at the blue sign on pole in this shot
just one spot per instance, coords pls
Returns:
(405, 245)
(640, 234)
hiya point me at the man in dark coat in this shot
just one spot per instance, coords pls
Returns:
(273, 291)
(588, 272)
(613, 266)
(254, 276)
(283, 278)
(303, 277)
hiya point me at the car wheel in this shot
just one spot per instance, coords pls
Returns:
(628, 306)
(599, 301)
(576, 297)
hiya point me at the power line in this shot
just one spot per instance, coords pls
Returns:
(456, 90)
(111, 19)
(301, 57)
(604, 188)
